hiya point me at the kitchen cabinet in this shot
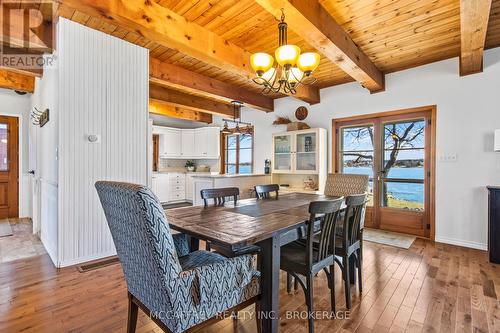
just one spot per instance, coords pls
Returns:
(207, 141)
(302, 153)
(170, 142)
(299, 151)
(188, 143)
(213, 139)
(169, 187)
(189, 187)
(160, 186)
(199, 143)
(177, 187)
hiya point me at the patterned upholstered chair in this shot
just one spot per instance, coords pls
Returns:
(344, 184)
(180, 291)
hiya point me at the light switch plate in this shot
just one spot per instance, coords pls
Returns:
(448, 158)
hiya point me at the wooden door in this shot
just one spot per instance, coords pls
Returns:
(9, 167)
(396, 151)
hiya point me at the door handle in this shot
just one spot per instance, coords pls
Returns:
(31, 172)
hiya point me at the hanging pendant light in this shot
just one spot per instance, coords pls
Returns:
(238, 129)
(291, 69)
(226, 129)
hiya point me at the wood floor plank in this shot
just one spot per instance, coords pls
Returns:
(429, 287)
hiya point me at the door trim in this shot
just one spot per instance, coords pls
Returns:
(432, 183)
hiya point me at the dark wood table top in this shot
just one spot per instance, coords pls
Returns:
(249, 222)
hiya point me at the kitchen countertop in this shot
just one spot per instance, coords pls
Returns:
(231, 176)
(186, 172)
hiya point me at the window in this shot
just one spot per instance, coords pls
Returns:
(238, 153)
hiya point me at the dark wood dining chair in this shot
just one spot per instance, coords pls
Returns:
(264, 191)
(219, 195)
(306, 259)
(349, 245)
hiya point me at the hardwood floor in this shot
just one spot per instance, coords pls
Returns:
(428, 288)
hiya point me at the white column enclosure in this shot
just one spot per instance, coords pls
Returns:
(102, 94)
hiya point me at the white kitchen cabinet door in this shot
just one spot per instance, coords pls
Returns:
(189, 187)
(201, 142)
(161, 188)
(188, 143)
(213, 139)
(154, 185)
(172, 141)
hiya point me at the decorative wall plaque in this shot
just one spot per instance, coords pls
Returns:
(301, 113)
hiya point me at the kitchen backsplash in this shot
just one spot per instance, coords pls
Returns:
(166, 164)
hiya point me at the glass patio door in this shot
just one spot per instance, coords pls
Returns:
(394, 151)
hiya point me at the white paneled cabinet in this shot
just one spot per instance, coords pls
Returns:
(207, 142)
(169, 187)
(160, 186)
(170, 142)
(199, 143)
(301, 152)
(187, 143)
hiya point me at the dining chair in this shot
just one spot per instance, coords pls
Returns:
(306, 259)
(180, 291)
(344, 184)
(264, 191)
(349, 245)
(219, 195)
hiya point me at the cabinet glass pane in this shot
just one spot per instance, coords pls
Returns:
(306, 142)
(282, 155)
(306, 151)
(306, 161)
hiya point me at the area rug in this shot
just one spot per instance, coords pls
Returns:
(388, 238)
(5, 229)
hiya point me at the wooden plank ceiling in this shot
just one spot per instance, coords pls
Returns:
(393, 34)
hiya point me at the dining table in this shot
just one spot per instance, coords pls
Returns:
(267, 223)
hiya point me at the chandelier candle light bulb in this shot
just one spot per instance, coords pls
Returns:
(261, 62)
(308, 62)
(287, 55)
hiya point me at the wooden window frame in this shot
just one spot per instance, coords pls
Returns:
(223, 151)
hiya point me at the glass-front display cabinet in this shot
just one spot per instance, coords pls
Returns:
(282, 152)
(299, 151)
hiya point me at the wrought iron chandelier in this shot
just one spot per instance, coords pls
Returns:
(291, 69)
(237, 130)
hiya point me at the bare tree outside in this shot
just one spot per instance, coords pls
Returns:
(403, 148)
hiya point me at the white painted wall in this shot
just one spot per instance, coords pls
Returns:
(99, 86)
(13, 104)
(467, 114)
(103, 90)
(44, 143)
